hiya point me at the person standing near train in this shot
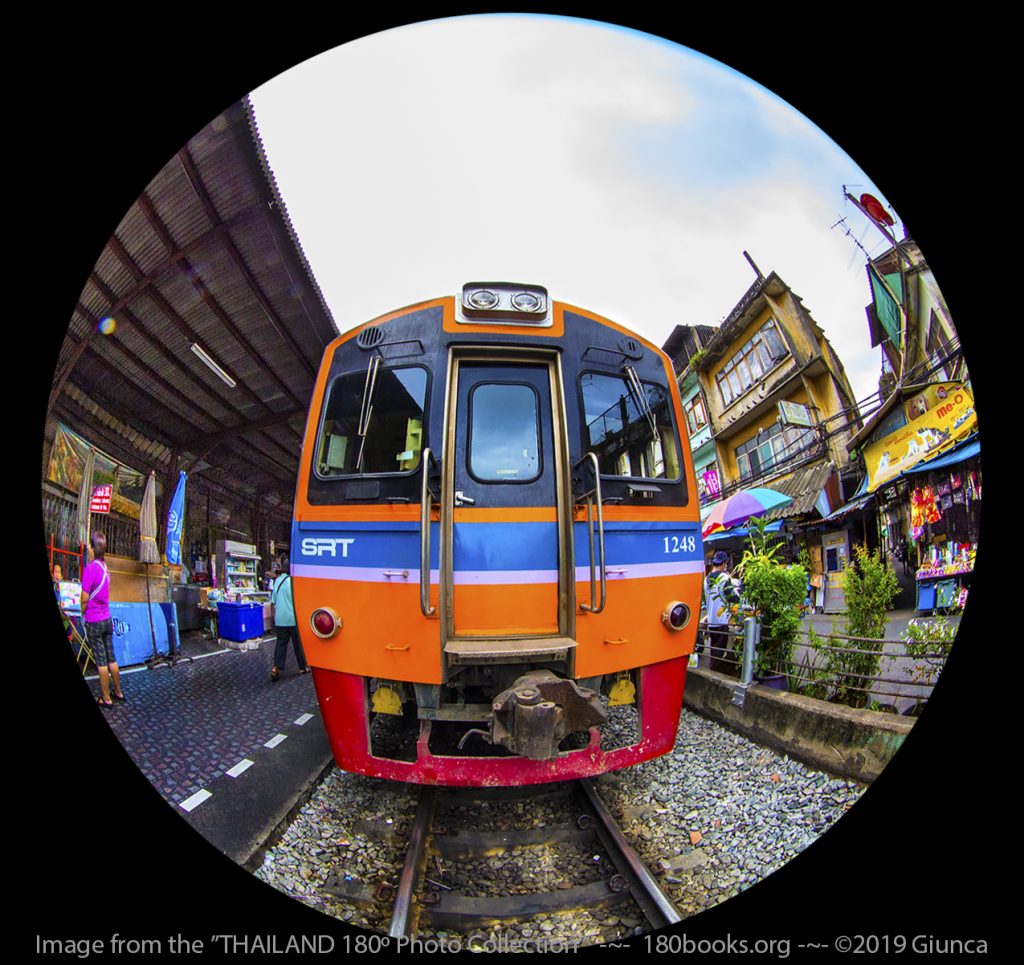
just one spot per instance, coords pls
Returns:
(99, 629)
(285, 624)
(720, 595)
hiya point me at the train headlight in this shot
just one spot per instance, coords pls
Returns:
(505, 302)
(527, 302)
(483, 298)
(325, 622)
(676, 615)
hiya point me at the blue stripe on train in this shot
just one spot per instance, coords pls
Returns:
(489, 546)
(628, 543)
(506, 546)
(373, 545)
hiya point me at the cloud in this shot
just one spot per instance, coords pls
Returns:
(625, 173)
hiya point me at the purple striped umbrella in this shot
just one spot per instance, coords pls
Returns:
(742, 506)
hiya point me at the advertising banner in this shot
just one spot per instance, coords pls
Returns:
(68, 457)
(943, 414)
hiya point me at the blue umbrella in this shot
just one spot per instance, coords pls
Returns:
(176, 521)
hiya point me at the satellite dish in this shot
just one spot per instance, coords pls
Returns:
(873, 207)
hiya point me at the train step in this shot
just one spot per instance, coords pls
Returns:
(508, 649)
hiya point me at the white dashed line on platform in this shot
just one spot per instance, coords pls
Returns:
(274, 741)
(143, 667)
(243, 765)
(190, 804)
(305, 718)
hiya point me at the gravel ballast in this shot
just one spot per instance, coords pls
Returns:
(710, 819)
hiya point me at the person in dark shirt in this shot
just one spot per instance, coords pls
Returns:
(720, 595)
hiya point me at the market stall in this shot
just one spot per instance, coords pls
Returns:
(945, 504)
(139, 626)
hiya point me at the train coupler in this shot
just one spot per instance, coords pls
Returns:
(536, 713)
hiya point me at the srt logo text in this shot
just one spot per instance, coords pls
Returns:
(326, 546)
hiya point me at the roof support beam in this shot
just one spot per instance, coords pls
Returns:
(211, 212)
(183, 327)
(211, 302)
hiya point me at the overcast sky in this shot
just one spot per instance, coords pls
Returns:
(625, 173)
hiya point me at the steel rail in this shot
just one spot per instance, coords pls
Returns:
(403, 919)
(654, 903)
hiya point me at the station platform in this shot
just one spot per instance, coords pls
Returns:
(231, 751)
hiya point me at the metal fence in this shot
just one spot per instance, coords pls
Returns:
(901, 682)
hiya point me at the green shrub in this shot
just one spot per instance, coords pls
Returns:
(776, 593)
(870, 588)
(928, 640)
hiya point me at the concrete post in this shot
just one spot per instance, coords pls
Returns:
(751, 640)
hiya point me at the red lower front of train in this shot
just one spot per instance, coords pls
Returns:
(343, 704)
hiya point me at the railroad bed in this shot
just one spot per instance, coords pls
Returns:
(710, 819)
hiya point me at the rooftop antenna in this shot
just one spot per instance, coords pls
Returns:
(757, 271)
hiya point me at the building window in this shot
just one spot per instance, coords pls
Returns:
(752, 362)
(938, 348)
(696, 416)
(771, 447)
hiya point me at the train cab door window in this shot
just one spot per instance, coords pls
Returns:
(373, 423)
(504, 443)
(632, 434)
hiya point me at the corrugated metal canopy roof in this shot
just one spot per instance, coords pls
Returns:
(804, 486)
(206, 255)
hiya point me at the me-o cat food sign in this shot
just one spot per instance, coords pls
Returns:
(944, 415)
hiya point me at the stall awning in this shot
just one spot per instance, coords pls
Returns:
(852, 506)
(965, 450)
(742, 531)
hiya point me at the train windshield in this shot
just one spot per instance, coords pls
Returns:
(373, 423)
(630, 439)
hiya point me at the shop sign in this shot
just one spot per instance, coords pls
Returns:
(708, 483)
(936, 428)
(794, 414)
(100, 501)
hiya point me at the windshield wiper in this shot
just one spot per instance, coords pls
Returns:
(641, 400)
(366, 410)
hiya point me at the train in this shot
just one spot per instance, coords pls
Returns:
(496, 545)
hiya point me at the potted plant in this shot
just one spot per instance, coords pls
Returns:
(776, 594)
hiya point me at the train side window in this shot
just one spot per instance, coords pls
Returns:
(628, 441)
(504, 438)
(392, 439)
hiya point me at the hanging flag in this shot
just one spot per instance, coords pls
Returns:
(176, 521)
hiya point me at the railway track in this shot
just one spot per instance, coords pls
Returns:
(421, 899)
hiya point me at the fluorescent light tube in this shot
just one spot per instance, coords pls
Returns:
(211, 365)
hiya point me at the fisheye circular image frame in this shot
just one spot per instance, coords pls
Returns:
(757, 314)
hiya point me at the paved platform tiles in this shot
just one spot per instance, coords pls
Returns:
(230, 749)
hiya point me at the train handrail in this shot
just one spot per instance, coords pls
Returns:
(590, 608)
(425, 504)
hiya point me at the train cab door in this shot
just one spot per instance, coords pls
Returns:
(505, 475)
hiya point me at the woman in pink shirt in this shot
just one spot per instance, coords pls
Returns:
(99, 630)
